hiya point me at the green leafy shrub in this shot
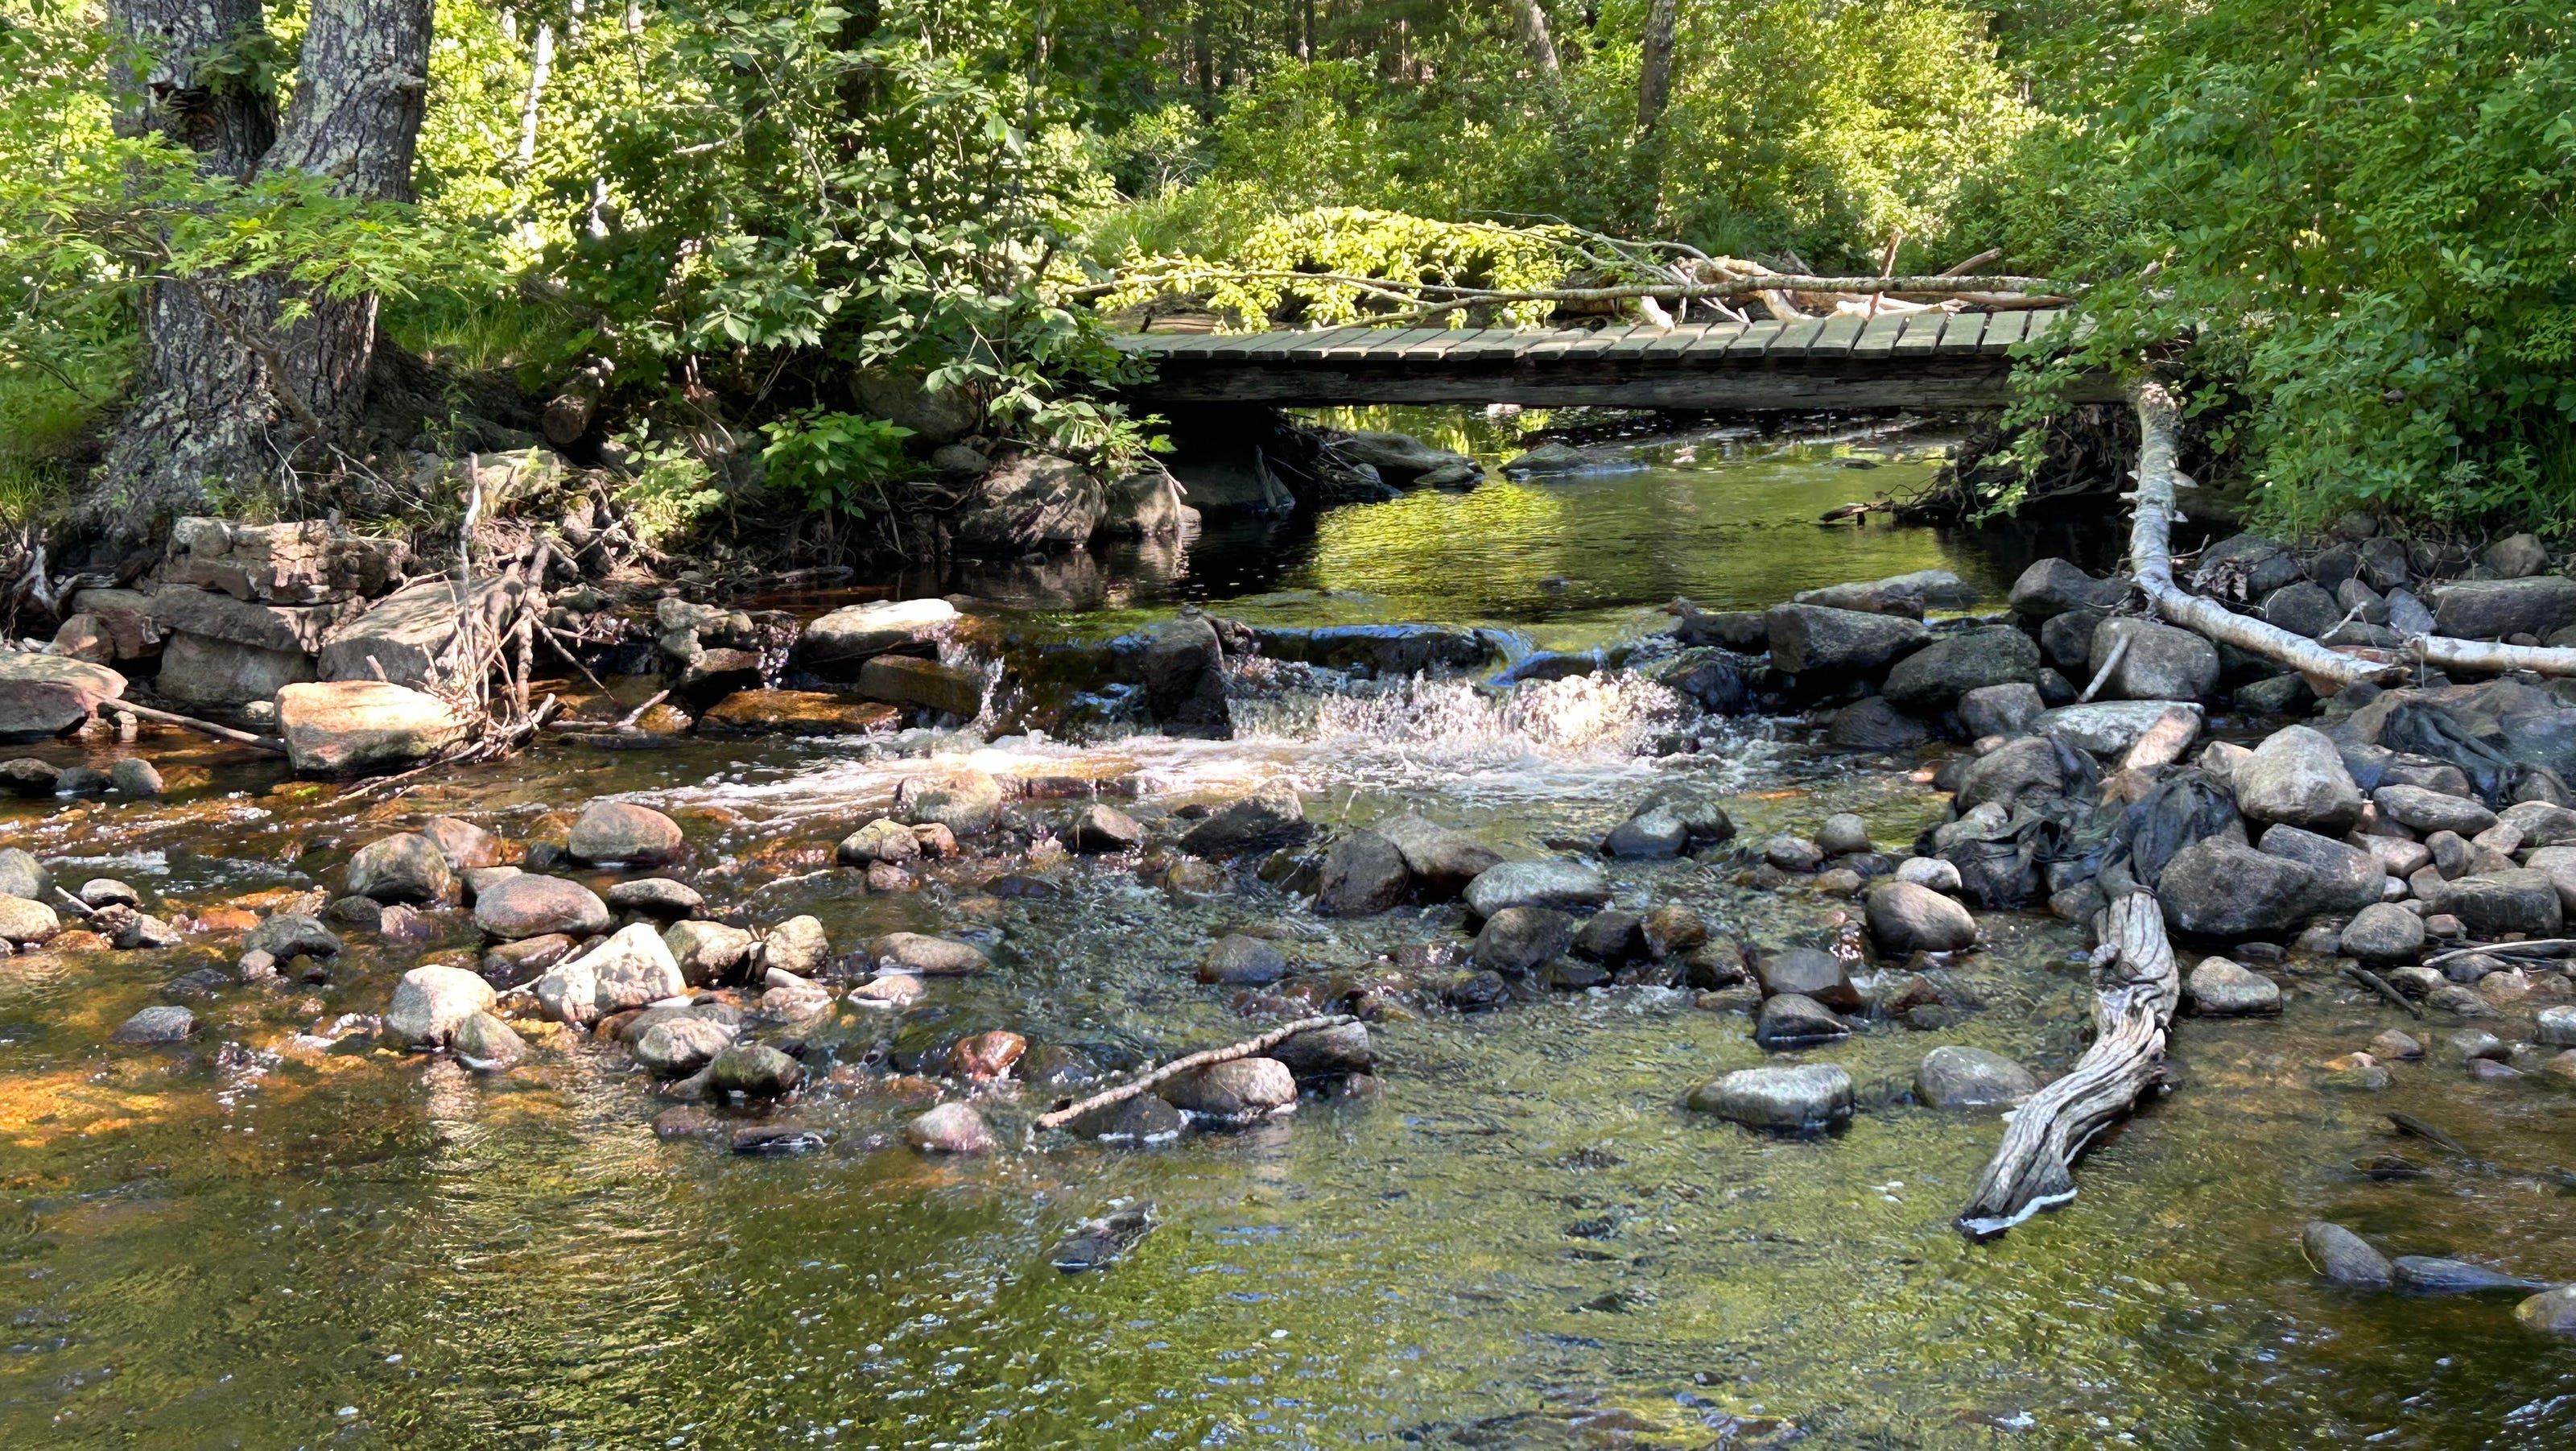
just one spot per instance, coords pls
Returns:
(836, 462)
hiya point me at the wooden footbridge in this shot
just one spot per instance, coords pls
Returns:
(1917, 360)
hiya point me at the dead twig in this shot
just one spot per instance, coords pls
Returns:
(1248, 1048)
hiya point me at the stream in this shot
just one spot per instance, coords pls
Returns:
(276, 1235)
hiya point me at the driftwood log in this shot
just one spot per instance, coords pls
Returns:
(1066, 1113)
(2151, 561)
(2135, 988)
(202, 727)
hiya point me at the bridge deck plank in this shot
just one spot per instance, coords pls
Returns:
(1878, 337)
(1835, 338)
(1959, 336)
(1751, 342)
(1679, 340)
(1715, 340)
(1922, 334)
(2005, 330)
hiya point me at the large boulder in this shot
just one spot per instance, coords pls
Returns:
(835, 644)
(292, 629)
(405, 633)
(1147, 505)
(2052, 587)
(42, 696)
(1560, 885)
(23, 921)
(2302, 608)
(1181, 667)
(621, 831)
(966, 801)
(198, 670)
(2347, 878)
(298, 563)
(2490, 609)
(530, 905)
(2160, 663)
(911, 680)
(1400, 458)
(1805, 1099)
(2217, 887)
(350, 727)
(1271, 817)
(2297, 777)
(1900, 594)
(1033, 501)
(1810, 639)
(2382, 934)
(2012, 774)
(629, 970)
(1873, 723)
(2493, 904)
(1441, 861)
(904, 397)
(1933, 678)
(403, 868)
(431, 1003)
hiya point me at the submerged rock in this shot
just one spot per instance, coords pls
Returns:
(1271, 817)
(1235, 1091)
(916, 952)
(1790, 1021)
(951, 1128)
(2220, 988)
(2432, 1275)
(1803, 1099)
(162, 1023)
(1239, 960)
(1957, 1077)
(620, 831)
(1442, 861)
(2345, 1258)
(1558, 885)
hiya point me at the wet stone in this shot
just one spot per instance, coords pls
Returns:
(1238, 960)
(162, 1023)
(1558, 885)
(1809, 973)
(135, 776)
(620, 831)
(291, 934)
(657, 897)
(2344, 1258)
(1956, 1077)
(2220, 988)
(1611, 936)
(1804, 1099)
(1791, 1021)
(529, 905)
(1104, 830)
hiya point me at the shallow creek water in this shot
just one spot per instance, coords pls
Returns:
(262, 1240)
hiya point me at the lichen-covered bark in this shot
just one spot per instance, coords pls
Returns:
(225, 399)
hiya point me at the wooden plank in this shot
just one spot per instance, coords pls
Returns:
(1602, 340)
(1959, 338)
(1877, 338)
(1396, 345)
(1442, 342)
(1553, 344)
(1750, 342)
(1489, 345)
(2042, 325)
(1309, 347)
(2003, 330)
(1794, 340)
(1641, 337)
(1922, 334)
(1835, 339)
(1682, 339)
(1716, 339)
(1272, 347)
(1359, 343)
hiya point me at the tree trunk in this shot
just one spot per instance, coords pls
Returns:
(224, 395)
(1655, 65)
(1542, 46)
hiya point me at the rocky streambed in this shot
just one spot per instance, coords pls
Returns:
(690, 1093)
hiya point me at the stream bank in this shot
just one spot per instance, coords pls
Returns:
(1522, 1238)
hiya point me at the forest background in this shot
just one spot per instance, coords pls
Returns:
(2347, 224)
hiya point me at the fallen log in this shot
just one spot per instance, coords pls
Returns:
(2444, 653)
(201, 727)
(1066, 1113)
(2135, 989)
(2151, 563)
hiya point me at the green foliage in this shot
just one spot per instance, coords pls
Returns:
(2359, 214)
(1312, 266)
(836, 462)
(671, 493)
